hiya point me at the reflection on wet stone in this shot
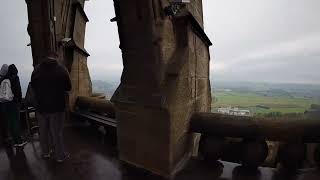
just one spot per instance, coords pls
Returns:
(93, 160)
(241, 173)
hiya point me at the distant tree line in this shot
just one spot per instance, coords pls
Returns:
(288, 115)
(279, 115)
(315, 106)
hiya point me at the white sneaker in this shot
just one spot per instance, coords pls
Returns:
(47, 156)
(66, 157)
(22, 144)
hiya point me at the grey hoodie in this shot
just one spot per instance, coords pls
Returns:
(4, 70)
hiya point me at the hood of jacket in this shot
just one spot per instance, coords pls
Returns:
(44, 67)
(4, 70)
(50, 62)
(12, 70)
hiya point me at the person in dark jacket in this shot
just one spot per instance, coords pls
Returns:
(3, 120)
(11, 109)
(50, 82)
(15, 83)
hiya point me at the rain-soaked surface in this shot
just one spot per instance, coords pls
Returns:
(91, 159)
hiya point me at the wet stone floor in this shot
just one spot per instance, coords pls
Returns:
(94, 158)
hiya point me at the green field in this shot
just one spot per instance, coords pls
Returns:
(250, 100)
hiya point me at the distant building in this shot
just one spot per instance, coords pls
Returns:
(234, 111)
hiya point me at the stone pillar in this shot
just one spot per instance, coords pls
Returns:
(165, 80)
(39, 29)
(50, 22)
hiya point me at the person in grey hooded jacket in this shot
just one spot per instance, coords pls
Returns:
(4, 70)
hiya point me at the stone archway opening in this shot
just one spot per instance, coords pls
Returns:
(102, 41)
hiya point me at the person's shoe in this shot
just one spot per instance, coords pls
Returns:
(66, 157)
(22, 144)
(48, 155)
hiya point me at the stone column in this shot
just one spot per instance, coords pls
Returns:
(165, 80)
(51, 22)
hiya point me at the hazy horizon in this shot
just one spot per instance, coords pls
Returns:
(254, 41)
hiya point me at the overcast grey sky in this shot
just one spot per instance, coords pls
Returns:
(264, 40)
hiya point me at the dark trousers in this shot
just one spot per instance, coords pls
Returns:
(11, 113)
(3, 124)
(51, 129)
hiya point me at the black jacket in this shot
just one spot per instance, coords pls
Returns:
(50, 81)
(12, 75)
